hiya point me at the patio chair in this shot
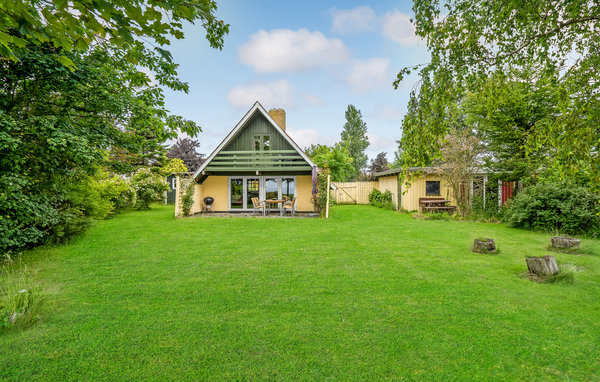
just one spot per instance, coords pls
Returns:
(290, 205)
(257, 205)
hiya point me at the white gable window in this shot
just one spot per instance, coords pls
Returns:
(262, 142)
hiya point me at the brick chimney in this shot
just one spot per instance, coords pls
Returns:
(279, 116)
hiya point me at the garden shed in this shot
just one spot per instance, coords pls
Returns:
(411, 185)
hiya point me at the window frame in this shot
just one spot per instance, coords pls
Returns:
(262, 188)
(439, 187)
(260, 139)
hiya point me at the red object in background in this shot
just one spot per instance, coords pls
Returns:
(508, 188)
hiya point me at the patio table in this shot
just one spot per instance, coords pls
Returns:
(275, 201)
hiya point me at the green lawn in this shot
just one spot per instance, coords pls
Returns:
(369, 294)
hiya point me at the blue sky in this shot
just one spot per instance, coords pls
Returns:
(312, 58)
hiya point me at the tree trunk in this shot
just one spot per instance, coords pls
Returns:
(542, 266)
(561, 242)
(484, 246)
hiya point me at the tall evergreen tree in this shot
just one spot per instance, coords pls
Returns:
(354, 136)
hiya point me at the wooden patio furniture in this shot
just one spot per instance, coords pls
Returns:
(257, 205)
(273, 203)
(436, 205)
(290, 205)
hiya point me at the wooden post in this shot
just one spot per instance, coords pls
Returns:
(471, 195)
(484, 182)
(327, 206)
(499, 194)
(356, 193)
(177, 183)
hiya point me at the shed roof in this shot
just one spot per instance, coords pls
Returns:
(424, 170)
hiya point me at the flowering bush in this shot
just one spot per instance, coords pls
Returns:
(117, 190)
(148, 186)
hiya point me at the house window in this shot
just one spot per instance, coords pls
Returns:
(432, 188)
(257, 143)
(262, 142)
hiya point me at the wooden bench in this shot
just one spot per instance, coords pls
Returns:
(422, 200)
(436, 205)
(448, 209)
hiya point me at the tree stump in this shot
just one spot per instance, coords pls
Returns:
(484, 246)
(560, 242)
(542, 266)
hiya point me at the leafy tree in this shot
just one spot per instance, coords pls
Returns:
(469, 40)
(75, 99)
(173, 166)
(354, 136)
(316, 149)
(505, 113)
(379, 164)
(460, 151)
(128, 27)
(56, 128)
(336, 158)
(185, 149)
(398, 158)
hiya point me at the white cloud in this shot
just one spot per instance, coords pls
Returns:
(397, 27)
(369, 74)
(279, 94)
(386, 113)
(352, 20)
(379, 143)
(307, 137)
(285, 50)
(313, 100)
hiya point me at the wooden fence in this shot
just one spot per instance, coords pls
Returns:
(353, 192)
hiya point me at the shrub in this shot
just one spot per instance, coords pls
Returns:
(148, 187)
(555, 207)
(381, 199)
(117, 190)
(188, 190)
(319, 200)
(374, 196)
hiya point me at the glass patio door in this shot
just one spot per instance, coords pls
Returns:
(288, 188)
(252, 191)
(236, 193)
(272, 192)
(242, 189)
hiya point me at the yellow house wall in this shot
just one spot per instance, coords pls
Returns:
(197, 207)
(217, 187)
(416, 190)
(389, 183)
(304, 193)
